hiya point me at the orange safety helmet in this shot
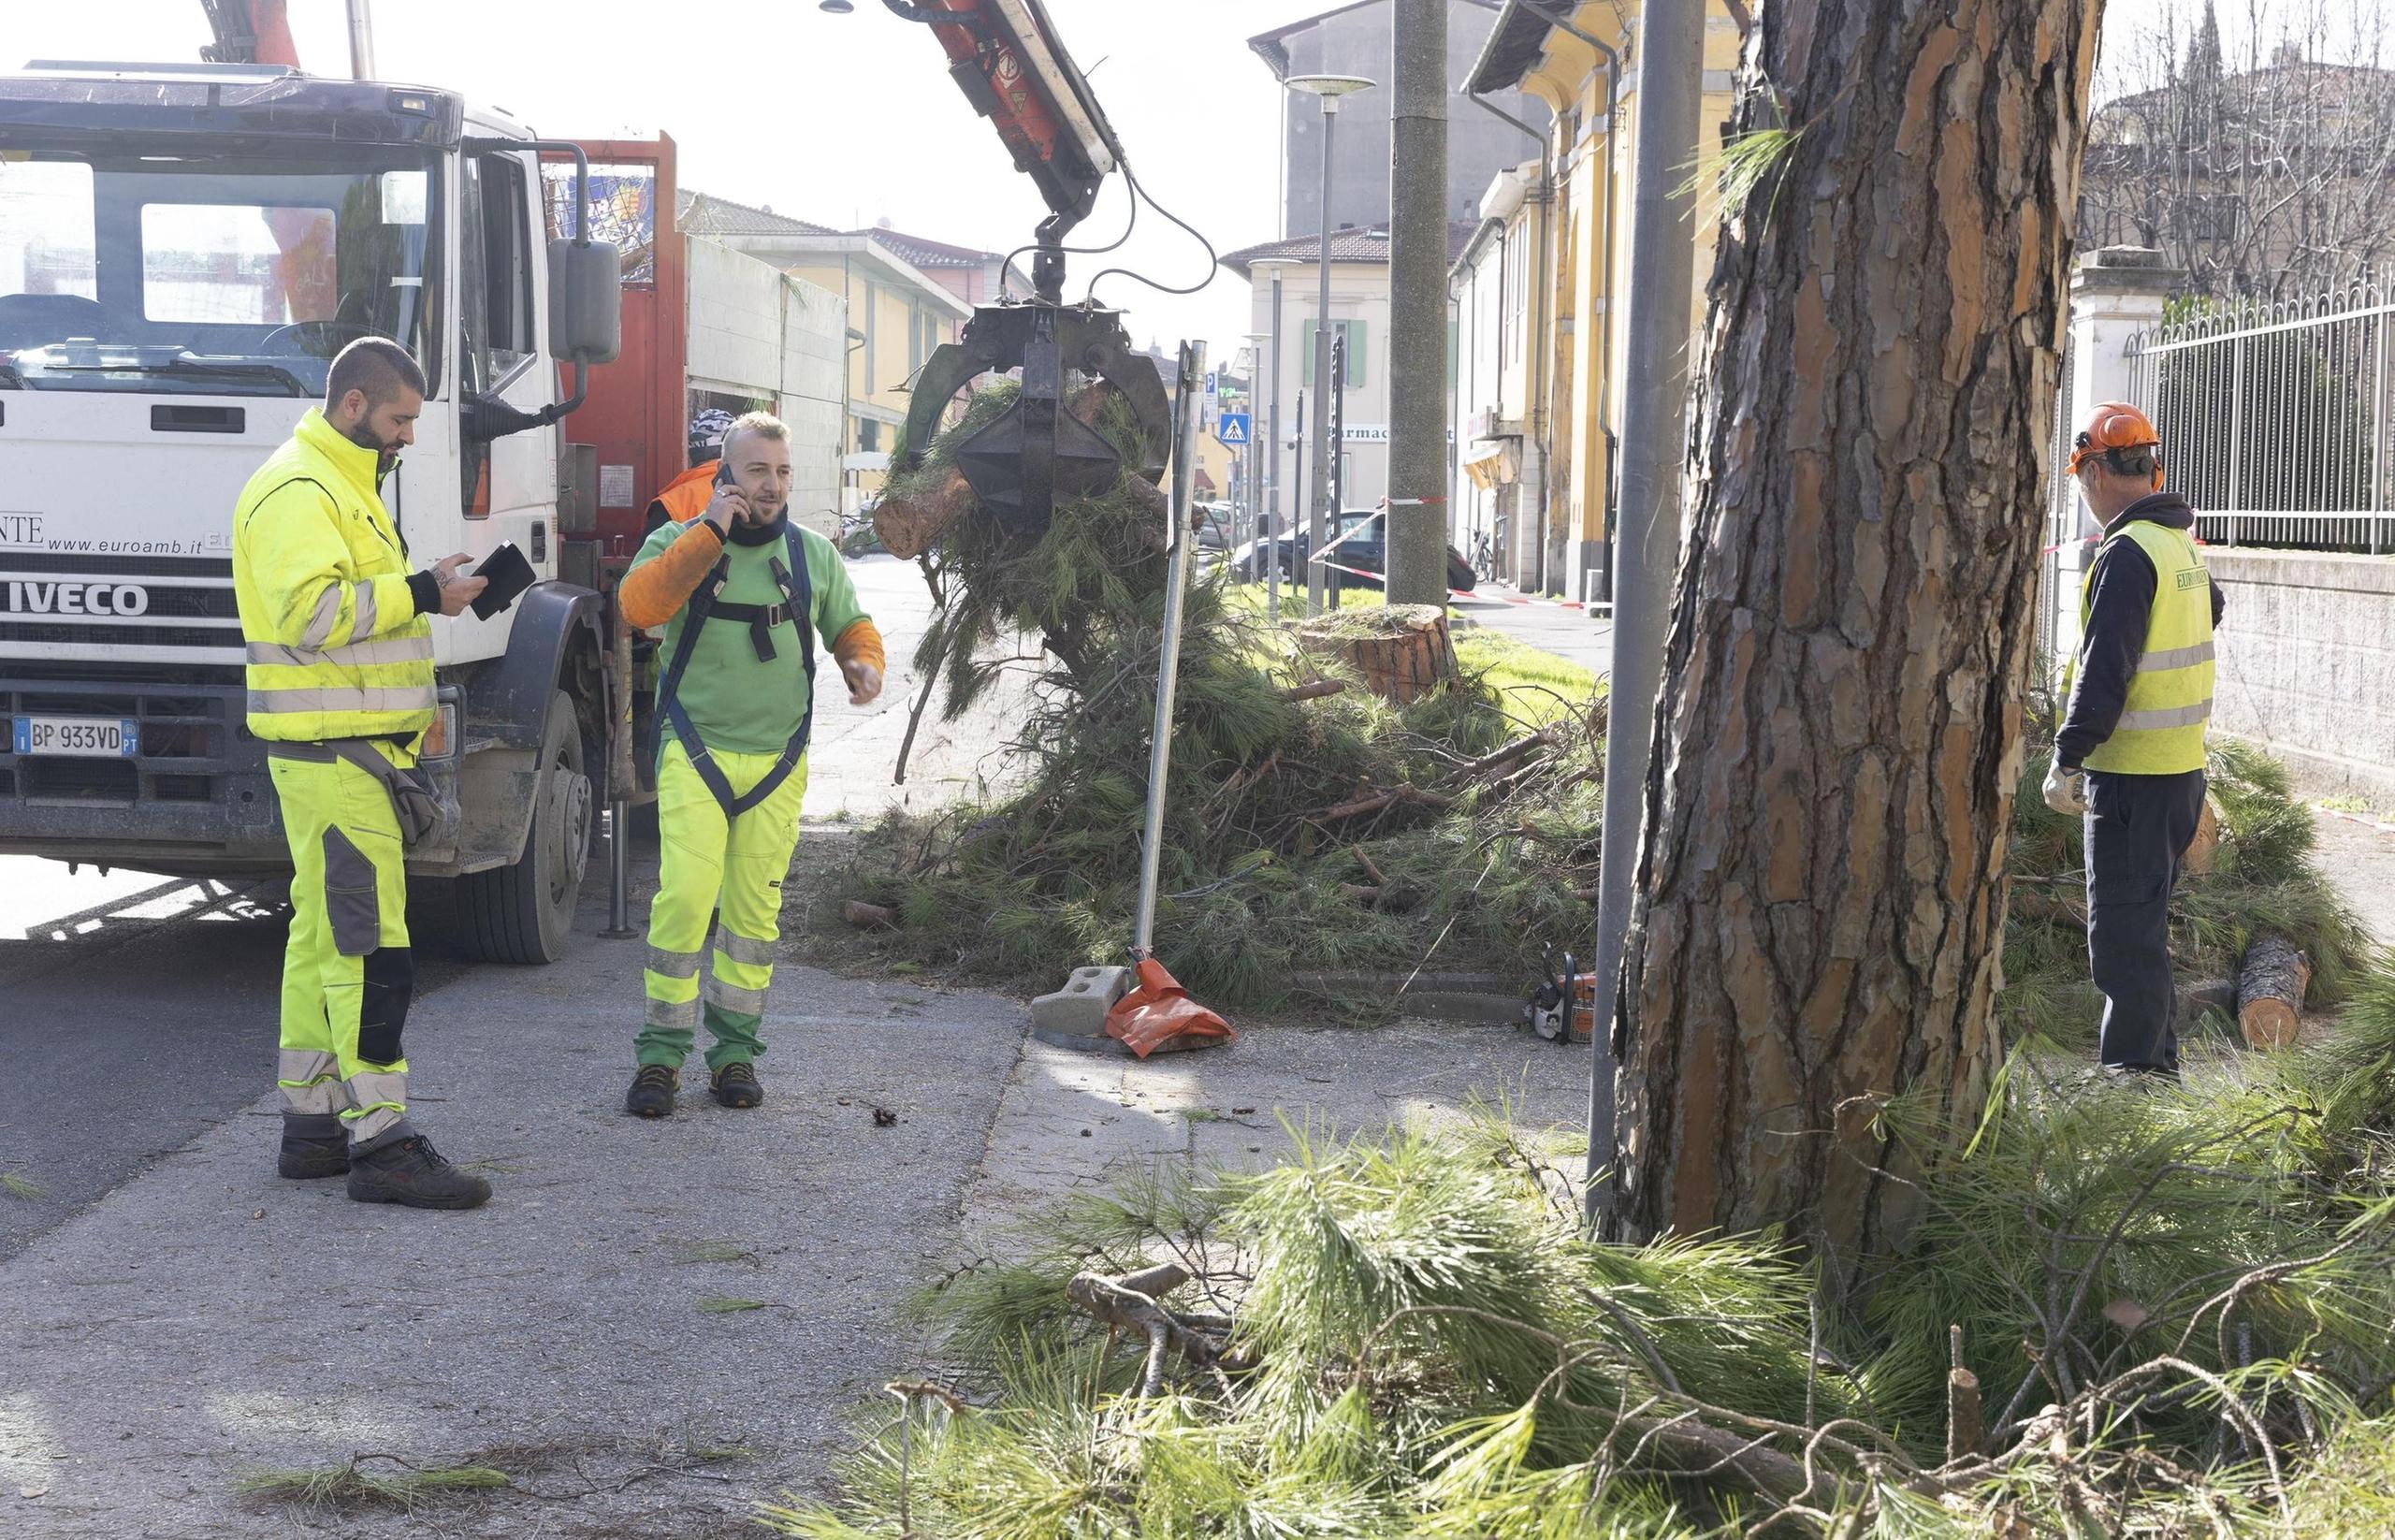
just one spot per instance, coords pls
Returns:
(2114, 424)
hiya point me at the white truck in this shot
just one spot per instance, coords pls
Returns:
(183, 250)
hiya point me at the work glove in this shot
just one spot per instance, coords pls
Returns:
(2066, 790)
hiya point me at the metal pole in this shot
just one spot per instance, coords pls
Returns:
(1660, 290)
(1418, 314)
(1273, 545)
(1176, 583)
(620, 775)
(1322, 446)
(361, 42)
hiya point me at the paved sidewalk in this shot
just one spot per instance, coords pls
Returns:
(1585, 639)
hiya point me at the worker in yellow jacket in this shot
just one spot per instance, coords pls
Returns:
(744, 592)
(2129, 756)
(341, 686)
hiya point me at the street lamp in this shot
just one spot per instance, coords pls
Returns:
(1330, 88)
(1276, 265)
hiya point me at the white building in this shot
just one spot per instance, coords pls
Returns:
(1360, 309)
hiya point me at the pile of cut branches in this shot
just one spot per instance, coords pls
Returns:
(2159, 1314)
(1310, 823)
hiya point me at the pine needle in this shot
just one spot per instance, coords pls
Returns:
(725, 1304)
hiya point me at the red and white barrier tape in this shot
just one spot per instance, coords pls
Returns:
(1468, 593)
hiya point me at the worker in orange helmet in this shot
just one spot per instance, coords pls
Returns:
(2129, 759)
(687, 496)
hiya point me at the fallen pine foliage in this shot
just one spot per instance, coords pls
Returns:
(2175, 1312)
(1311, 823)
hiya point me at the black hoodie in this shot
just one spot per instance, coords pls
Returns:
(2120, 606)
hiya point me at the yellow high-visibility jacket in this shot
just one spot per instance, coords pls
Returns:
(337, 648)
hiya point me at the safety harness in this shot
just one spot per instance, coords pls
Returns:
(796, 608)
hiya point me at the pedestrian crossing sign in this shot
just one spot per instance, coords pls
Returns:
(1230, 429)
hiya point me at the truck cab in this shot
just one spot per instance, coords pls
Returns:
(183, 248)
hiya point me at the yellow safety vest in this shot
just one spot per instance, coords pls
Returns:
(335, 647)
(2161, 730)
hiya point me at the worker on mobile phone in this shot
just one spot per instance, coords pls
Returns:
(340, 683)
(744, 592)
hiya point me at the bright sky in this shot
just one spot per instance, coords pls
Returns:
(843, 120)
(846, 121)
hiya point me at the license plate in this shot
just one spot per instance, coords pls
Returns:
(79, 737)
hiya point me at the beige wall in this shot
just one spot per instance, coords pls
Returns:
(902, 323)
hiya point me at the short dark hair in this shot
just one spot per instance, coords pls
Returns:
(377, 366)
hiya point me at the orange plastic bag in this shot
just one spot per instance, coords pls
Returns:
(1158, 1016)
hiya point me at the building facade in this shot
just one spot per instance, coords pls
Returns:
(1566, 255)
(1359, 40)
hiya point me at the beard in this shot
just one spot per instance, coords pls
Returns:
(386, 454)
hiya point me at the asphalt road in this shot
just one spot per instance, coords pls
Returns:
(136, 1011)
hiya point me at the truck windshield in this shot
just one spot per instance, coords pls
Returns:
(227, 271)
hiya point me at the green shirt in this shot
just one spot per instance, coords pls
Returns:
(742, 703)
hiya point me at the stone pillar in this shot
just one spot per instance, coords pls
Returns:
(2116, 292)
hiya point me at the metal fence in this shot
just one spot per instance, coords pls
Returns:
(2274, 418)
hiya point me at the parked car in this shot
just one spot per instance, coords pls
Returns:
(1213, 522)
(1248, 561)
(1364, 545)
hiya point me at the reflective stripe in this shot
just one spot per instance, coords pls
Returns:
(306, 1066)
(744, 948)
(406, 698)
(363, 626)
(320, 624)
(673, 964)
(671, 1013)
(388, 649)
(2154, 662)
(747, 1002)
(311, 1082)
(2151, 721)
(379, 1088)
(373, 1122)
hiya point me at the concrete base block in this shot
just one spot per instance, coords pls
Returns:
(1080, 1008)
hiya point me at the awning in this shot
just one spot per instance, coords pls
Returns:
(1494, 463)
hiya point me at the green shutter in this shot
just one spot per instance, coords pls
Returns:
(1354, 330)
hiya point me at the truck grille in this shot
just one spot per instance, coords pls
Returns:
(190, 737)
(62, 606)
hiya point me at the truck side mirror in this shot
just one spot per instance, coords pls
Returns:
(585, 302)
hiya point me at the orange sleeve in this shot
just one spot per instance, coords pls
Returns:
(654, 590)
(861, 644)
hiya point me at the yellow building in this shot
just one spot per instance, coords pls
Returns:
(1538, 340)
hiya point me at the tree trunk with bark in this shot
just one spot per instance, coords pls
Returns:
(1403, 651)
(1820, 882)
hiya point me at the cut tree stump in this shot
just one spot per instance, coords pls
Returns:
(2270, 992)
(2206, 845)
(1403, 651)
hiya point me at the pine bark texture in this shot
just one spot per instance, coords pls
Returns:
(1820, 886)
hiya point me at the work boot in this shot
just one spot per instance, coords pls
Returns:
(411, 1171)
(736, 1084)
(312, 1146)
(652, 1092)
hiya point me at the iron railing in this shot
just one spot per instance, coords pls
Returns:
(2273, 418)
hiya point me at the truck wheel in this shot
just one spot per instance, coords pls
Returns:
(523, 913)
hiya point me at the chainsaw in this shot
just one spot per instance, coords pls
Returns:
(1562, 1009)
(1006, 57)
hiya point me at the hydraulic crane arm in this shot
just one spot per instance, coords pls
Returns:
(1006, 57)
(249, 31)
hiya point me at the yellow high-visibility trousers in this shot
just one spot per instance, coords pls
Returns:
(347, 973)
(708, 864)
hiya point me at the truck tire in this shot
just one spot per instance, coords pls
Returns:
(524, 912)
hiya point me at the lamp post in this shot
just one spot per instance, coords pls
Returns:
(1271, 438)
(1329, 88)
